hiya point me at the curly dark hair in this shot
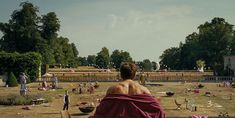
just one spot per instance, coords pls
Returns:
(128, 70)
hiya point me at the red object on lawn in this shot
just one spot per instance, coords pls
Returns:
(129, 106)
(196, 91)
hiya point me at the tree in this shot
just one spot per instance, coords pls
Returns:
(46, 51)
(233, 44)
(171, 58)
(50, 26)
(64, 52)
(82, 61)
(215, 39)
(21, 33)
(118, 57)
(190, 52)
(26, 31)
(11, 81)
(102, 58)
(91, 59)
(147, 65)
(75, 51)
(125, 56)
(154, 65)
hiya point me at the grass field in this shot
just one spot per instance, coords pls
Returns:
(220, 102)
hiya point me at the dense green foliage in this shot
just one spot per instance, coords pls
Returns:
(26, 31)
(91, 60)
(103, 58)
(154, 65)
(11, 80)
(170, 58)
(21, 33)
(16, 63)
(118, 57)
(214, 40)
(146, 65)
(82, 61)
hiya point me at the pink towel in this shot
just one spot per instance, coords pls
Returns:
(129, 106)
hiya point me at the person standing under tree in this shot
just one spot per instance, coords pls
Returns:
(66, 100)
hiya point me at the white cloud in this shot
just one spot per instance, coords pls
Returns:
(142, 19)
(143, 27)
(157, 30)
(145, 32)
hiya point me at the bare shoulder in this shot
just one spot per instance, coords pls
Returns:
(143, 89)
(116, 89)
(136, 88)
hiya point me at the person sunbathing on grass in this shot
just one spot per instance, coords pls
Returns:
(128, 99)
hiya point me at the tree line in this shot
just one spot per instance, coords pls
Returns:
(104, 60)
(27, 31)
(214, 40)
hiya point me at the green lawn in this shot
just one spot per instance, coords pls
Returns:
(220, 102)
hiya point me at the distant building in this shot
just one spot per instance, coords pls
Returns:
(229, 63)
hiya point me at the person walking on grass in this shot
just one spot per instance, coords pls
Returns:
(66, 100)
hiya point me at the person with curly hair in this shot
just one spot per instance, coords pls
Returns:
(128, 99)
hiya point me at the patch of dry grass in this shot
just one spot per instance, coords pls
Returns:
(53, 109)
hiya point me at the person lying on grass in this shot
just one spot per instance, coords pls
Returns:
(128, 99)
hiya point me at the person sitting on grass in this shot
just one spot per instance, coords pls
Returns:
(128, 99)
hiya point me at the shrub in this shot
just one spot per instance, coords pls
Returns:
(16, 99)
(11, 80)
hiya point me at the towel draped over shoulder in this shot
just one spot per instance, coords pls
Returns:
(129, 106)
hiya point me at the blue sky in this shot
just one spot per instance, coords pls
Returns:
(145, 28)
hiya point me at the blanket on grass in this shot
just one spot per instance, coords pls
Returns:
(129, 106)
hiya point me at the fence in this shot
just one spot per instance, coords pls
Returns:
(218, 78)
(115, 76)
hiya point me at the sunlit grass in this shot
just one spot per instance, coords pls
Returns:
(53, 108)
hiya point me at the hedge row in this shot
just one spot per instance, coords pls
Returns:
(16, 99)
(16, 63)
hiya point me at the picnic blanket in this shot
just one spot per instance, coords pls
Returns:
(129, 106)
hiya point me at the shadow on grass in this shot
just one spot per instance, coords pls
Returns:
(166, 96)
(50, 113)
(153, 84)
(79, 114)
(172, 109)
